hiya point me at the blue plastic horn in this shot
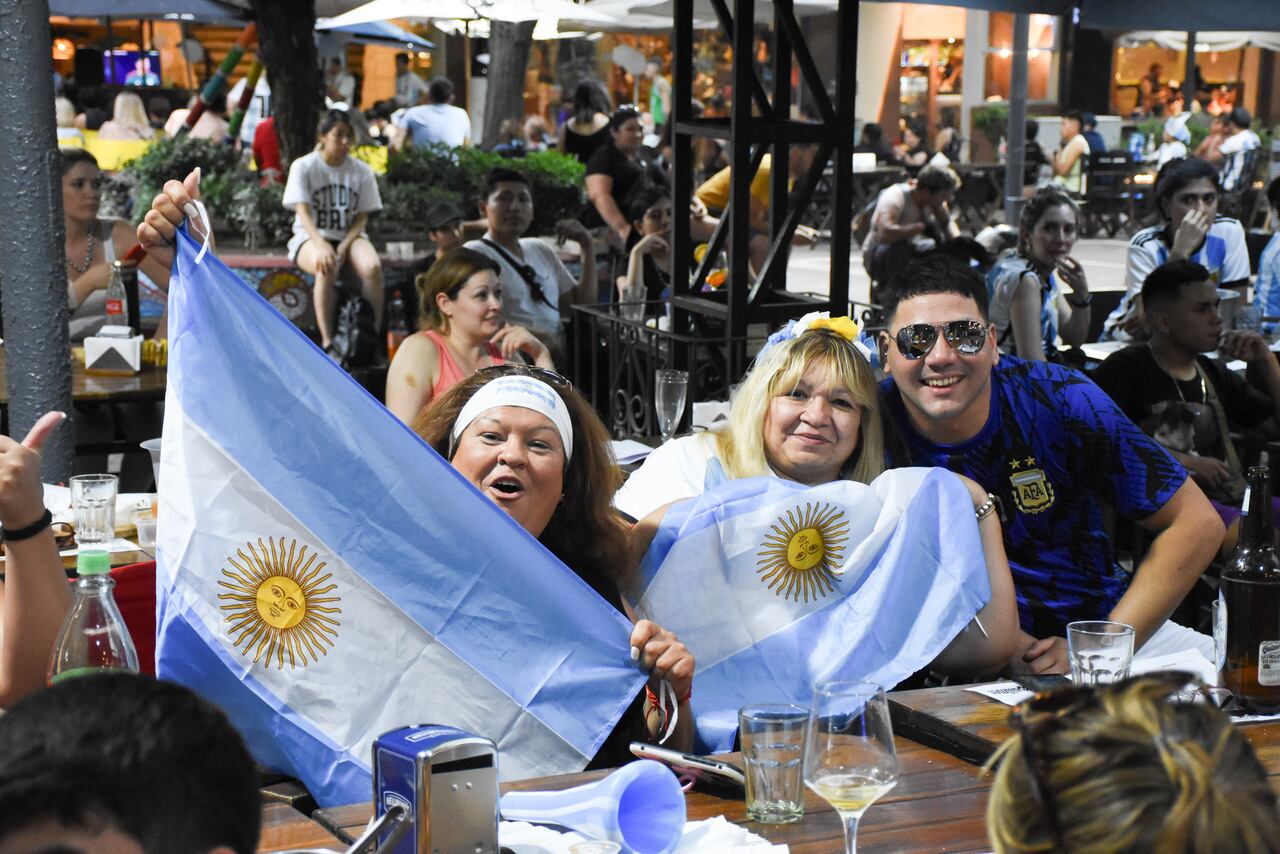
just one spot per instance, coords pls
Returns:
(640, 806)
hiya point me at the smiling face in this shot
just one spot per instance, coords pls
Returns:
(508, 209)
(81, 192)
(947, 395)
(1053, 235)
(516, 458)
(811, 430)
(476, 310)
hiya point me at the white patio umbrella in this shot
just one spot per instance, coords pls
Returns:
(386, 10)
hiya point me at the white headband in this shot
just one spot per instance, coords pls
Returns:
(525, 392)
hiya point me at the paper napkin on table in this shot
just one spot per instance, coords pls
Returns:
(710, 836)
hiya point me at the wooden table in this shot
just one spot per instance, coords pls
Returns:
(284, 829)
(966, 725)
(148, 384)
(939, 804)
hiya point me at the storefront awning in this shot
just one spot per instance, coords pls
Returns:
(1219, 41)
(1197, 15)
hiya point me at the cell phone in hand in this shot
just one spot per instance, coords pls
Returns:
(705, 770)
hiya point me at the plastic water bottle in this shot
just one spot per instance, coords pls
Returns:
(117, 297)
(397, 326)
(93, 636)
(1149, 150)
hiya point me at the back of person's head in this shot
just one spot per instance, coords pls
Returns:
(1075, 115)
(440, 90)
(872, 133)
(1044, 200)
(1088, 121)
(1180, 172)
(448, 275)
(535, 128)
(158, 106)
(777, 371)
(1240, 118)
(127, 753)
(402, 61)
(502, 175)
(510, 130)
(1273, 193)
(129, 109)
(584, 530)
(938, 179)
(589, 98)
(64, 112)
(1122, 769)
(1163, 285)
(69, 157)
(935, 274)
(1032, 129)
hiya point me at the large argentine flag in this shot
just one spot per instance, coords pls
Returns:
(324, 576)
(774, 586)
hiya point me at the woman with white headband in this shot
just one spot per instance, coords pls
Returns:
(527, 440)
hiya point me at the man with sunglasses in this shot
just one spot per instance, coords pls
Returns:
(1059, 457)
(535, 283)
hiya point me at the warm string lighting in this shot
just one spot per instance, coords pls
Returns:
(63, 48)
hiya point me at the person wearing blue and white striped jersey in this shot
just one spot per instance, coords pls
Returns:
(1266, 289)
(1187, 192)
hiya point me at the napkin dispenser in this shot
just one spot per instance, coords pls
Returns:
(447, 781)
(112, 354)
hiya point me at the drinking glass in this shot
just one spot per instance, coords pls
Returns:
(1100, 651)
(670, 390)
(93, 503)
(773, 740)
(851, 761)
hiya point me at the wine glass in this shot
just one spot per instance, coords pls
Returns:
(851, 759)
(670, 391)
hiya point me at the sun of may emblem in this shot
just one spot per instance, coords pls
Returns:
(800, 553)
(277, 607)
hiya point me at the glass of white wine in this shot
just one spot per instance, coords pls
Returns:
(850, 761)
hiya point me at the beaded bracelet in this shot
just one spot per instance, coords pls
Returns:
(985, 510)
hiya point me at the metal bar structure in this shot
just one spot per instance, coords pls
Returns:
(1189, 72)
(32, 257)
(760, 123)
(1017, 133)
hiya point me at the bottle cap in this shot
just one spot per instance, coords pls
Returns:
(92, 562)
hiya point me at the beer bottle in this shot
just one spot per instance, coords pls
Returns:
(1250, 598)
(117, 297)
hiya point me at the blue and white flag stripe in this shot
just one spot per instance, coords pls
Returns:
(446, 610)
(911, 577)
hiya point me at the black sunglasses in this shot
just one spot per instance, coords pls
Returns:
(1034, 718)
(916, 340)
(551, 378)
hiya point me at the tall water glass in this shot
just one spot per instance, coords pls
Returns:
(93, 503)
(671, 388)
(1100, 651)
(773, 739)
(851, 760)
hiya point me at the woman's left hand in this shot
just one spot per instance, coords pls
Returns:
(664, 657)
(571, 229)
(1072, 274)
(516, 339)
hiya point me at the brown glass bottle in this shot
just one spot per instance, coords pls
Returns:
(1250, 595)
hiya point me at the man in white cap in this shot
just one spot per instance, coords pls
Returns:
(1174, 142)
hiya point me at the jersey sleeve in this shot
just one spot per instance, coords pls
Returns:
(1266, 289)
(1235, 266)
(1140, 262)
(1123, 466)
(295, 188)
(370, 198)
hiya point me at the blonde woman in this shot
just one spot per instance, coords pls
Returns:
(1123, 768)
(128, 120)
(462, 331)
(64, 112)
(807, 411)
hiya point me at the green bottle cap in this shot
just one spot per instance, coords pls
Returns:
(92, 562)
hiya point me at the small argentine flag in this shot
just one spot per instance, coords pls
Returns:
(774, 586)
(324, 576)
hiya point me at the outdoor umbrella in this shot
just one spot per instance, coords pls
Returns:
(377, 32)
(386, 10)
(204, 10)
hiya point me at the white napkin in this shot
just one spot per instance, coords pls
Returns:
(711, 836)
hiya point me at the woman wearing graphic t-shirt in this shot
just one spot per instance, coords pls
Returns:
(332, 195)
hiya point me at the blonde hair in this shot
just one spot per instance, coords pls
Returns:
(130, 112)
(740, 444)
(1129, 771)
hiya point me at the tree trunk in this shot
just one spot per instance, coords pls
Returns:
(509, 45)
(287, 47)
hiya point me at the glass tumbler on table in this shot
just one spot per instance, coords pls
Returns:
(93, 503)
(773, 740)
(1100, 651)
(670, 389)
(851, 760)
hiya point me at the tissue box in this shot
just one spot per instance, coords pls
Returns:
(113, 356)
